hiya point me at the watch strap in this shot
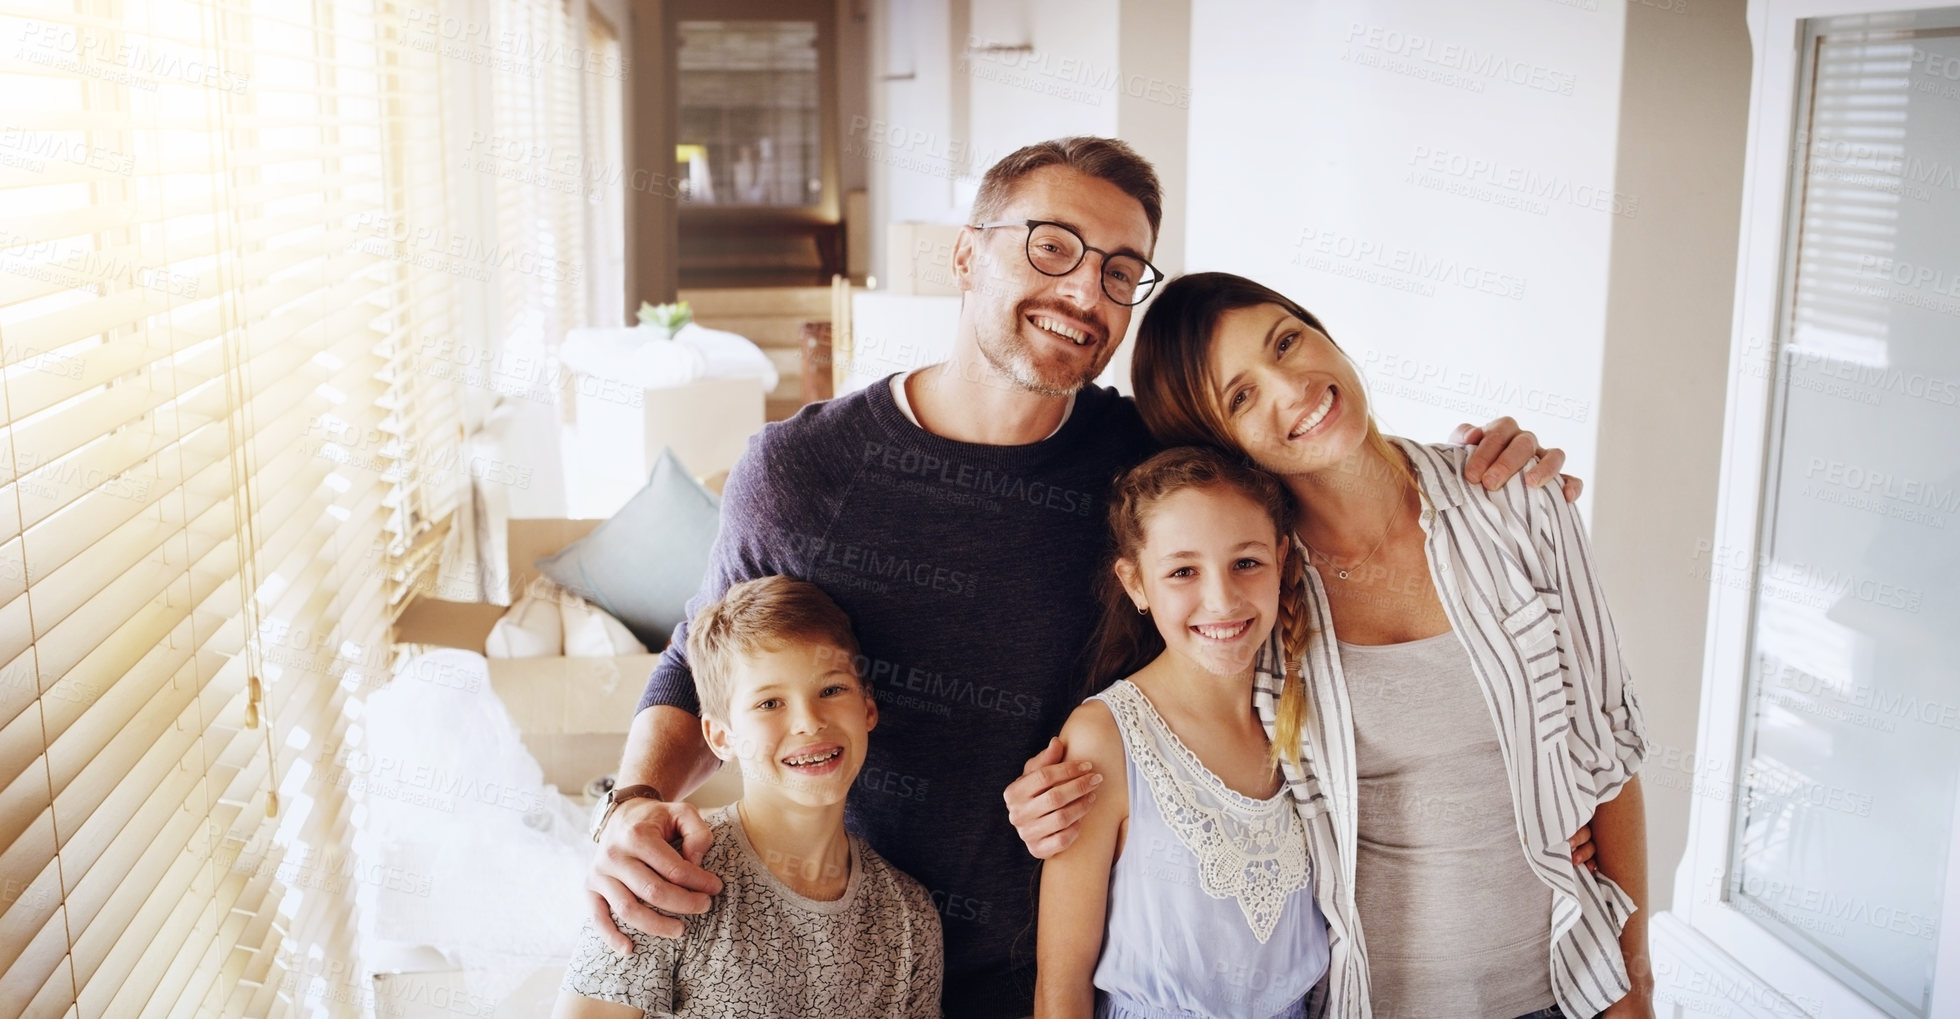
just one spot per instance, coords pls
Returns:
(616, 796)
(635, 792)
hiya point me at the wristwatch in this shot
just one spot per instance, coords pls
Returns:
(613, 798)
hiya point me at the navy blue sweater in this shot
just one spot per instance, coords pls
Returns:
(968, 572)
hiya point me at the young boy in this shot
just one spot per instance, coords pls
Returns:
(809, 921)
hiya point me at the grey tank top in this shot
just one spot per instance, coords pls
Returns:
(1455, 921)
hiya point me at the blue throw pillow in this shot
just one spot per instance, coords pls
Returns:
(644, 563)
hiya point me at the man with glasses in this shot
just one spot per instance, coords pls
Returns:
(1056, 249)
(956, 513)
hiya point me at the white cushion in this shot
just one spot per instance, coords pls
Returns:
(531, 629)
(591, 633)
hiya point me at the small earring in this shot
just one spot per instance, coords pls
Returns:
(1142, 611)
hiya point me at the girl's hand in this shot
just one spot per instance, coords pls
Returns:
(1583, 849)
(1049, 800)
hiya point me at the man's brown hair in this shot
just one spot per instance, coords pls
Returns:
(758, 616)
(1103, 158)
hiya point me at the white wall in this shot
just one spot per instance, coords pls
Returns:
(1063, 86)
(1434, 180)
(905, 137)
(1684, 108)
(1154, 117)
(957, 84)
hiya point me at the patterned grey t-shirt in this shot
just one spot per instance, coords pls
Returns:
(763, 951)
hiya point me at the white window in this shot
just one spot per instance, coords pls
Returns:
(1835, 616)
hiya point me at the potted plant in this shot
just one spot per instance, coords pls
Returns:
(664, 320)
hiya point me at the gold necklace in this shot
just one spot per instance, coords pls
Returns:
(1386, 527)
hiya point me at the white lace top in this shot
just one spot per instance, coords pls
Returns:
(1211, 905)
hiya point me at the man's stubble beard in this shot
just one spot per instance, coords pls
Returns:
(1013, 358)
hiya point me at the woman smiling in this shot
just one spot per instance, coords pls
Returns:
(1469, 710)
(1469, 724)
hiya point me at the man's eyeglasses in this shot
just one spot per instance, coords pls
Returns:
(1055, 250)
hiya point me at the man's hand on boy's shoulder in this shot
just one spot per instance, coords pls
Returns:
(638, 870)
(1503, 449)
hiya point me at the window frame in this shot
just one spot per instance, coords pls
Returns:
(1703, 924)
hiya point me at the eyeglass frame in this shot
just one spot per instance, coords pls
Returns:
(1144, 286)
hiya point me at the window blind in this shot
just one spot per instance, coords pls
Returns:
(542, 175)
(605, 135)
(224, 461)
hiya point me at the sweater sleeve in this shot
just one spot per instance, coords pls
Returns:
(751, 510)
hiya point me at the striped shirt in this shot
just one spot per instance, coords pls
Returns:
(1514, 572)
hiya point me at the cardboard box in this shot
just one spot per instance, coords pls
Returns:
(573, 713)
(919, 259)
(611, 446)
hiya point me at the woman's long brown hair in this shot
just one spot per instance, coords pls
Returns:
(1170, 370)
(1126, 640)
(1171, 376)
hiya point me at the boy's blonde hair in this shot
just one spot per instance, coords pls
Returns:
(755, 617)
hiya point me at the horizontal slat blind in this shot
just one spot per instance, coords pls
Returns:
(604, 141)
(222, 444)
(541, 212)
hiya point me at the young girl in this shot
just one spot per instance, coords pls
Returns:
(1189, 892)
